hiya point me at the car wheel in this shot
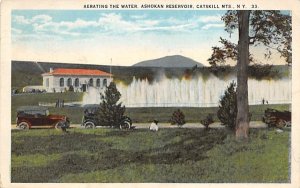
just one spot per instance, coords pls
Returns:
(125, 125)
(59, 124)
(23, 125)
(89, 125)
(288, 124)
(281, 123)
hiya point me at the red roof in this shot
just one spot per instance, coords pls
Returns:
(78, 72)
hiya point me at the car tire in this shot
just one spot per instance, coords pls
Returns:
(59, 124)
(281, 123)
(89, 125)
(125, 125)
(23, 125)
(288, 124)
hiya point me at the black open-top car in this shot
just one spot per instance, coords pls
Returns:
(90, 119)
(276, 118)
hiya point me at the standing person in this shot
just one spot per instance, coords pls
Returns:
(154, 126)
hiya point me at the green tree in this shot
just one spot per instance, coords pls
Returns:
(271, 29)
(178, 118)
(111, 111)
(228, 107)
(207, 121)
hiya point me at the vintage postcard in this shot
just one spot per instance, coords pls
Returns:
(149, 93)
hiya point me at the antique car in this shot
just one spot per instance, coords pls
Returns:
(90, 120)
(30, 116)
(276, 118)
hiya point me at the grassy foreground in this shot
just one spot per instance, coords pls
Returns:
(169, 155)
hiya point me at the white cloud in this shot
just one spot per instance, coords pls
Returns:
(16, 31)
(138, 16)
(36, 19)
(79, 23)
(173, 20)
(63, 27)
(114, 23)
(147, 22)
(21, 20)
(209, 19)
(33, 38)
(182, 28)
(209, 26)
(41, 19)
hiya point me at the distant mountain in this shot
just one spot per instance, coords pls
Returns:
(169, 61)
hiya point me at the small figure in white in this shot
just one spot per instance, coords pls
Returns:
(154, 126)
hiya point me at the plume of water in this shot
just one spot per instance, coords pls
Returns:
(92, 96)
(199, 92)
(196, 92)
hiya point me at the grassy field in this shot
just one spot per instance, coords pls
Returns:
(192, 114)
(147, 114)
(169, 155)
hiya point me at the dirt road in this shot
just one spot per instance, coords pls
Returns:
(253, 124)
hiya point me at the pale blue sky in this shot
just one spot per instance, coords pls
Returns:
(126, 36)
(71, 24)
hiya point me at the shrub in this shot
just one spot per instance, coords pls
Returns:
(111, 112)
(178, 118)
(207, 121)
(71, 89)
(228, 107)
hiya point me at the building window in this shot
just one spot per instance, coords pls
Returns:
(69, 82)
(91, 82)
(61, 82)
(98, 82)
(47, 82)
(105, 83)
(76, 82)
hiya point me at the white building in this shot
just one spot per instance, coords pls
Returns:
(60, 80)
